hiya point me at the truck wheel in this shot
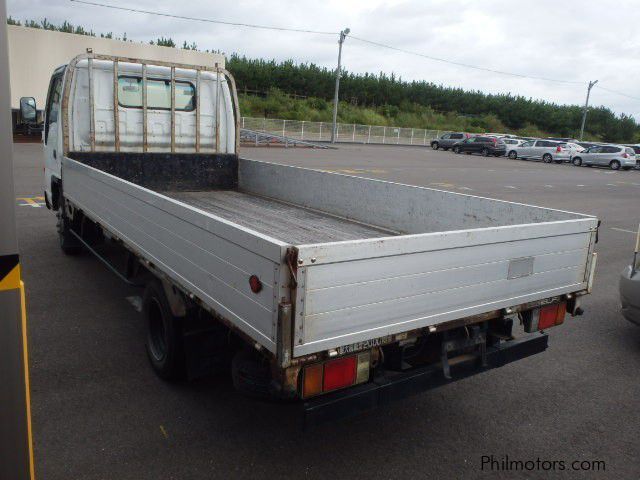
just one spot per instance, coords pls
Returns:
(615, 165)
(69, 244)
(251, 374)
(165, 347)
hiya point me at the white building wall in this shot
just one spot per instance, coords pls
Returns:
(34, 54)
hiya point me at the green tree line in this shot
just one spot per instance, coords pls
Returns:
(386, 99)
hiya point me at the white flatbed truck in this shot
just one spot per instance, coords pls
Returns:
(340, 291)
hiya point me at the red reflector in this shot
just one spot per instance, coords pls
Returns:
(339, 373)
(551, 315)
(255, 284)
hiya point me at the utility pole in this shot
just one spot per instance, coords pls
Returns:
(586, 106)
(16, 446)
(343, 35)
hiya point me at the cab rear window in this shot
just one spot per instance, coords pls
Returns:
(158, 94)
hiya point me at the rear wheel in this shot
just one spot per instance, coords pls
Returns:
(485, 152)
(69, 244)
(165, 347)
(456, 149)
(547, 158)
(615, 165)
(435, 145)
(577, 161)
(513, 155)
(251, 374)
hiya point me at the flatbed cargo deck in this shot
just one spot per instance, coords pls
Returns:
(283, 221)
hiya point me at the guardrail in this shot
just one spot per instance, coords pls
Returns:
(346, 132)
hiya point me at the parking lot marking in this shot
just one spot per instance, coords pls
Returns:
(35, 202)
(580, 185)
(511, 187)
(623, 230)
(164, 432)
(549, 186)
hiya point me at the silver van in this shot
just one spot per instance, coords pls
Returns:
(546, 150)
(615, 157)
(447, 140)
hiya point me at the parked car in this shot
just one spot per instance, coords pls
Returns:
(573, 148)
(483, 145)
(615, 157)
(448, 140)
(586, 145)
(630, 287)
(512, 143)
(546, 150)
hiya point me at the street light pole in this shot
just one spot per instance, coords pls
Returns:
(586, 106)
(343, 35)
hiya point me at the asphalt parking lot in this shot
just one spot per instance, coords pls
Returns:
(100, 413)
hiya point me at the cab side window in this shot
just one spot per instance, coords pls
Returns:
(53, 104)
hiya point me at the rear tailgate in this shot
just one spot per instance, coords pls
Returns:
(350, 292)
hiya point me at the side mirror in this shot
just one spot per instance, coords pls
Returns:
(28, 111)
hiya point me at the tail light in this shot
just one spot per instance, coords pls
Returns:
(544, 317)
(335, 374)
(494, 140)
(558, 149)
(625, 155)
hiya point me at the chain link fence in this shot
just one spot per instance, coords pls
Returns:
(346, 132)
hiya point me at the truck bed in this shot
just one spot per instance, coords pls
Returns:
(372, 258)
(284, 221)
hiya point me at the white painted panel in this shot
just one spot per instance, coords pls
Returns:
(328, 299)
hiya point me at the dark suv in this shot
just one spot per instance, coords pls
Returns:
(448, 140)
(483, 145)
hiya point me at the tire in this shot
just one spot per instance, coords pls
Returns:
(69, 244)
(485, 152)
(456, 149)
(513, 155)
(251, 374)
(165, 347)
(547, 158)
(435, 145)
(614, 165)
(577, 161)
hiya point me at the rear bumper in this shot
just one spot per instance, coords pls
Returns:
(391, 386)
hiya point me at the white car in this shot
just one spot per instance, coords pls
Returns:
(546, 150)
(573, 149)
(512, 142)
(615, 157)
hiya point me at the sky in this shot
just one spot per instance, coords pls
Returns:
(570, 40)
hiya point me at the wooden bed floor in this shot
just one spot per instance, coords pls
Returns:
(283, 221)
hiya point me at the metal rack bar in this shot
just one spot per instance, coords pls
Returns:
(198, 75)
(173, 109)
(116, 113)
(217, 108)
(92, 118)
(145, 142)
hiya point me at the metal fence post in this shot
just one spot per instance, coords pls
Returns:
(411, 137)
(398, 140)
(302, 131)
(284, 127)
(320, 132)
(424, 142)
(384, 134)
(353, 137)
(369, 135)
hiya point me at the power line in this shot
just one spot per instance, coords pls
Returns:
(617, 93)
(206, 20)
(466, 65)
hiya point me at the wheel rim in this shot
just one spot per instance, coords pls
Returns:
(615, 165)
(577, 162)
(546, 158)
(513, 155)
(434, 146)
(485, 152)
(157, 332)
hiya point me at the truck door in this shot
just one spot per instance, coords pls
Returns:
(52, 131)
